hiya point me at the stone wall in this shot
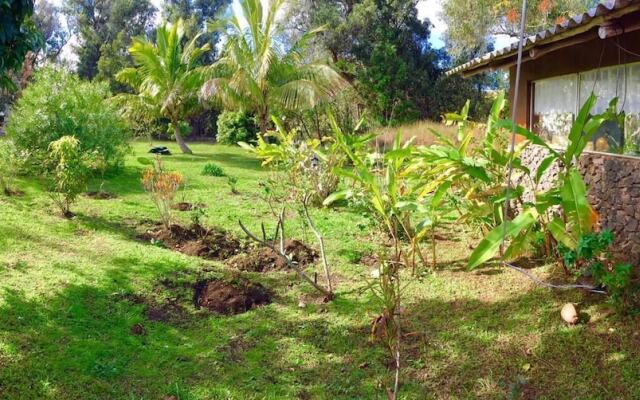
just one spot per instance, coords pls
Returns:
(614, 191)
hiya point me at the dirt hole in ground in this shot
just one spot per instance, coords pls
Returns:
(212, 244)
(101, 195)
(184, 206)
(263, 259)
(229, 298)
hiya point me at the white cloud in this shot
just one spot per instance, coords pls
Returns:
(432, 9)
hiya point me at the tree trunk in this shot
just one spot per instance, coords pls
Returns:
(264, 125)
(181, 143)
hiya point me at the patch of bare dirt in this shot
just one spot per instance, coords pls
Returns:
(264, 259)
(101, 195)
(212, 244)
(184, 206)
(229, 298)
(169, 312)
(370, 260)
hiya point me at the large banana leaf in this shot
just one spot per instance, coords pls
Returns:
(489, 246)
(527, 134)
(578, 137)
(558, 229)
(494, 117)
(575, 203)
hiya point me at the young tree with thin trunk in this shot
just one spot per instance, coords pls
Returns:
(257, 73)
(167, 76)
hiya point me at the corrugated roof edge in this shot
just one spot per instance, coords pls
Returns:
(602, 9)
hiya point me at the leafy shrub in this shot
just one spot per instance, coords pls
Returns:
(236, 126)
(308, 164)
(162, 186)
(59, 104)
(9, 162)
(212, 169)
(67, 173)
(592, 256)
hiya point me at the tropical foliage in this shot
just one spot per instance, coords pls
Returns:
(166, 77)
(236, 126)
(569, 193)
(59, 104)
(256, 73)
(18, 36)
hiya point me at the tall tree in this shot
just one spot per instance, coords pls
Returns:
(471, 23)
(49, 20)
(196, 13)
(105, 29)
(383, 48)
(18, 36)
(167, 76)
(256, 73)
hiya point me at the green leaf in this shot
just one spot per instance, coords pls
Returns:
(337, 196)
(441, 191)
(527, 134)
(575, 203)
(544, 166)
(559, 232)
(490, 245)
(577, 136)
(494, 117)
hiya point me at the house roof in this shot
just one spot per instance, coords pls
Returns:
(605, 11)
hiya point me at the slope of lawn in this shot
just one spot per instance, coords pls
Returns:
(70, 291)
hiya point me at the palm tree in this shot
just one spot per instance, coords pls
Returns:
(258, 73)
(166, 77)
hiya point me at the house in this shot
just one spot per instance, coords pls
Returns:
(598, 51)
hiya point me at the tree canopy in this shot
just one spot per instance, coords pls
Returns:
(471, 23)
(383, 49)
(257, 73)
(167, 76)
(105, 29)
(17, 36)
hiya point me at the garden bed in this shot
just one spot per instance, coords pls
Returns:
(211, 244)
(229, 298)
(264, 259)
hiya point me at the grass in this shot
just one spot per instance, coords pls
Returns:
(421, 132)
(66, 311)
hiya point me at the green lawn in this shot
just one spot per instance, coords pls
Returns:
(68, 291)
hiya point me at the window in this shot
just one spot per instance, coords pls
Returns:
(557, 100)
(554, 108)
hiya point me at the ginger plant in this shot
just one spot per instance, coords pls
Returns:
(380, 184)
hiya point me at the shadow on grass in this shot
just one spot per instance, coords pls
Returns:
(78, 343)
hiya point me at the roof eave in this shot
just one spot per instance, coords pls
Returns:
(601, 14)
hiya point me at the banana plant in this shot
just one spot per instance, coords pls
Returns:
(568, 193)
